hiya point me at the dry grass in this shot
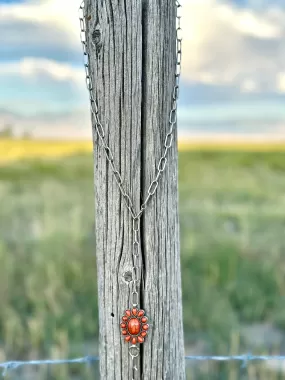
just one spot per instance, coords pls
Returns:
(13, 149)
(231, 145)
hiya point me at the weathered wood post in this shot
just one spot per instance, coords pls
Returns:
(132, 62)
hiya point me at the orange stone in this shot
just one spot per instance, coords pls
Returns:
(134, 326)
(141, 313)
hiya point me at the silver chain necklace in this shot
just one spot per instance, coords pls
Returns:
(134, 322)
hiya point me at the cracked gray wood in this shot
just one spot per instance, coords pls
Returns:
(132, 58)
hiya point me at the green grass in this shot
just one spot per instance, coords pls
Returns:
(232, 251)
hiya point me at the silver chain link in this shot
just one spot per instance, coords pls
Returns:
(110, 158)
(100, 130)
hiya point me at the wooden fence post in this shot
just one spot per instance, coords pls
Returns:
(132, 52)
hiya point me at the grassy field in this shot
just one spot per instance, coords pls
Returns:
(233, 260)
(12, 150)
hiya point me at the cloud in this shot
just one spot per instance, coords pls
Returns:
(60, 14)
(229, 53)
(72, 125)
(257, 4)
(225, 45)
(256, 112)
(41, 67)
(36, 85)
(76, 124)
(42, 28)
(281, 81)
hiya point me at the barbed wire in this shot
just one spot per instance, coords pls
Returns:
(9, 366)
(244, 359)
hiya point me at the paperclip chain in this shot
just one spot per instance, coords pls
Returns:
(101, 132)
(134, 350)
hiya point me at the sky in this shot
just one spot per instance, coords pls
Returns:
(233, 68)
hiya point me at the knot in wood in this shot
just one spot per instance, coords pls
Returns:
(96, 37)
(128, 277)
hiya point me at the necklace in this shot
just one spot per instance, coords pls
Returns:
(134, 324)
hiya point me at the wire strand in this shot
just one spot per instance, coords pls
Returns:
(244, 359)
(8, 366)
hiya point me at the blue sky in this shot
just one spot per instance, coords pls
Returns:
(233, 72)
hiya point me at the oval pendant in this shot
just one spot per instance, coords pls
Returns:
(134, 326)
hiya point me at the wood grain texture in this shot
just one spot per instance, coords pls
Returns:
(132, 57)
